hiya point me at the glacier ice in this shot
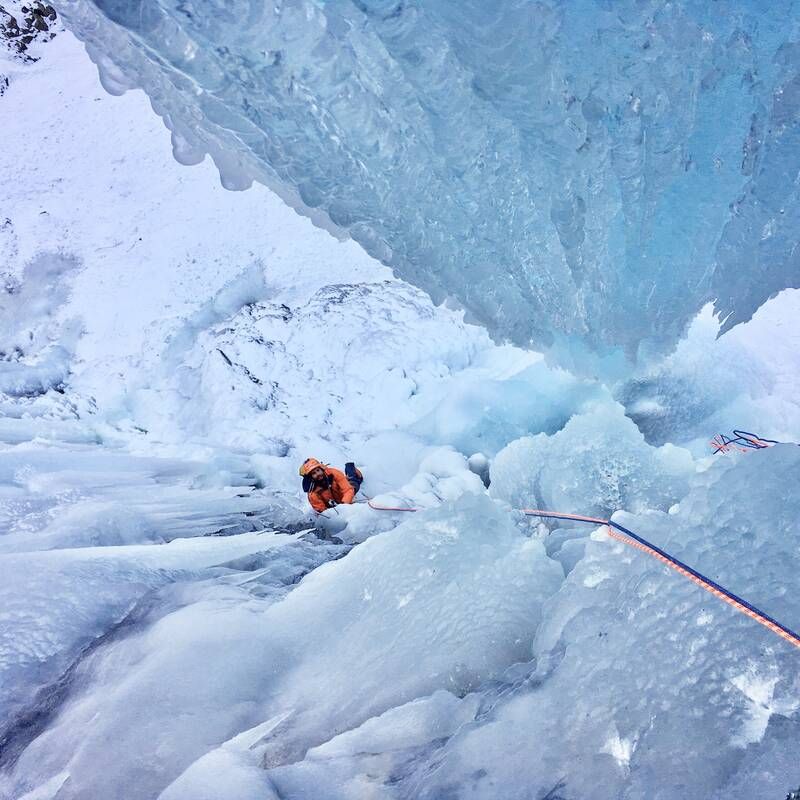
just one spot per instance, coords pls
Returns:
(588, 171)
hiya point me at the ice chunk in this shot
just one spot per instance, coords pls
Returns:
(598, 463)
(479, 464)
(360, 760)
(410, 725)
(231, 771)
(348, 766)
(487, 414)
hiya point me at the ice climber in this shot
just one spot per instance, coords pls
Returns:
(327, 486)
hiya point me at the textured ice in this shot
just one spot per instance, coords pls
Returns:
(484, 415)
(84, 536)
(645, 686)
(52, 498)
(746, 379)
(641, 685)
(334, 652)
(56, 602)
(439, 658)
(589, 170)
(35, 344)
(596, 464)
(337, 769)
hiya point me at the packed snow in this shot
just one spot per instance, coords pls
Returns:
(175, 623)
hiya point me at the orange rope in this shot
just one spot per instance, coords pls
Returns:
(640, 544)
(705, 585)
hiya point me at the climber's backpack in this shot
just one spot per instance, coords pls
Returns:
(354, 475)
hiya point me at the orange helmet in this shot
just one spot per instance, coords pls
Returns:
(309, 465)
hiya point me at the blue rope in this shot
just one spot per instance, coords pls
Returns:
(788, 633)
(708, 581)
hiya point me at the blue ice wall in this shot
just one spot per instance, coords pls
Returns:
(585, 173)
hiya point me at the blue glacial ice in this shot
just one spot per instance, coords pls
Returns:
(575, 174)
(596, 464)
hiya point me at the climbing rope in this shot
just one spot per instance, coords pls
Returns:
(741, 440)
(631, 539)
(388, 508)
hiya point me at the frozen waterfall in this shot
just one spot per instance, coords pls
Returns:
(574, 174)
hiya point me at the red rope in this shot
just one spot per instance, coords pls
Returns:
(388, 508)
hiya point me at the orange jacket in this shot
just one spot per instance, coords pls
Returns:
(336, 487)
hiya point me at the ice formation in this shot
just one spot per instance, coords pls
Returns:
(174, 623)
(596, 464)
(422, 594)
(656, 690)
(588, 171)
(638, 685)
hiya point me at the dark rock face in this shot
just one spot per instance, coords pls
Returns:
(18, 31)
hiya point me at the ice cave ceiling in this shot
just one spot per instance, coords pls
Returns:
(586, 173)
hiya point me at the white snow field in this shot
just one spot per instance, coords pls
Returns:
(176, 624)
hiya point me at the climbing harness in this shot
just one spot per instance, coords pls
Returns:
(631, 539)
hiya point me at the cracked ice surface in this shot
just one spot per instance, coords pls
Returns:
(588, 171)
